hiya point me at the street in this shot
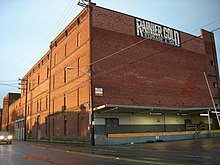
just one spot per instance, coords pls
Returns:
(199, 151)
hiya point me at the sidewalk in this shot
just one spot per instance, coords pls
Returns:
(207, 144)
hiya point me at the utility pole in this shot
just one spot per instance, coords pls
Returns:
(84, 3)
(213, 102)
(91, 76)
(25, 83)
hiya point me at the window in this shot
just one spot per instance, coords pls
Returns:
(64, 75)
(55, 59)
(78, 121)
(38, 65)
(53, 81)
(46, 102)
(38, 79)
(66, 33)
(112, 122)
(37, 106)
(78, 66)
(212, 63)
(48, 69)
(46, 121)
(78, 97)
(29, 86)
(78, 40)
(53, 105)
(40, 105)
(53, 131)
(55, 43)
(64, 102)
(78, 21)
(65, 121)
(217, 105)
(65, 50)
(215, 85)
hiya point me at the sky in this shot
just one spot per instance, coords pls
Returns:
(28, 26)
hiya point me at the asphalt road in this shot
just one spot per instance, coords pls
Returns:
(199, 151)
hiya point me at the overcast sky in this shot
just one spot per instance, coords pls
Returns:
(28, 26)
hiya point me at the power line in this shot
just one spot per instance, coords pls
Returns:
(204, 10)
(9, 85)
(143, 58)
(122, 65)
(3, 52)
(171, 47)
(130, 46)
(126, 48)
(53, 30)
(59, 96)
(8, 81)
(206, 25)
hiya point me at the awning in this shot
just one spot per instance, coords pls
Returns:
(110, 108)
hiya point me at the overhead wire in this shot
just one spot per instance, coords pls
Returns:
(153, 54)
(9, 81)
(201, 11)
(126, 48)
(11, 54)
(56, 27)
(4, 84)
(120, 66)
(206, 25)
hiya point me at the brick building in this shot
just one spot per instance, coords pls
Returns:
(0, 119)
(128, 78)
(8, 115)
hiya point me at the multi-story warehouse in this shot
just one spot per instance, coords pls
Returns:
(9, 113)
(0, 119)
(130, 79)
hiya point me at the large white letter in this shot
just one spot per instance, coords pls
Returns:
(139, 27)
(176, 38)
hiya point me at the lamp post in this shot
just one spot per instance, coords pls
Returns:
(70, 68)
(92, 133)
(25, 108)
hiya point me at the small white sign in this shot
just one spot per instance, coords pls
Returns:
(98, 91)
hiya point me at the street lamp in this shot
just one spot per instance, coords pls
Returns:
(71, 68)
(25, 108)
(92, 131)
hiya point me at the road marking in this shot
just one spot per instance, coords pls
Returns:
(152, 158)
(109, 157)
(197, 156)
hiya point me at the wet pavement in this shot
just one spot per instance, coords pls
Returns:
(200, 145)
(198, 151)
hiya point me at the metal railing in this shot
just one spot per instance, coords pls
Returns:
(199, 129)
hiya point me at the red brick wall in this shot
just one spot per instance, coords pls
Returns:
(173, 78)
(67, 49)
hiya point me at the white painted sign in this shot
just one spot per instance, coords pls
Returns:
(160, 33)
(98, 91)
